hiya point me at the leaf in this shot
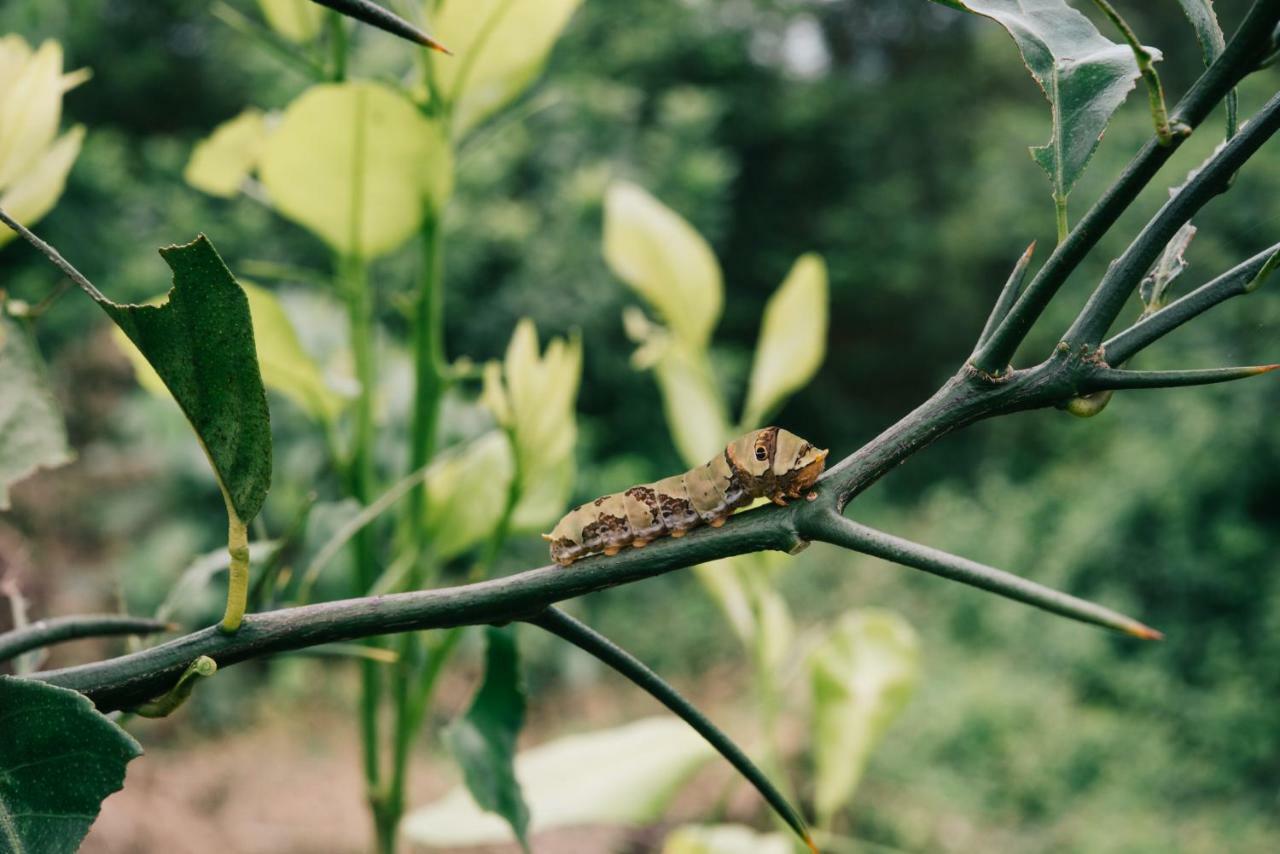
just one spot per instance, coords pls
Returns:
(36, 191)
(724, 839)
(59, 759)
(1154, 287)
(32, 433)
(793, 340)
(466, 494)
(30, 108)
(296, 20)
(664, 260)
(500, 47)
(621, 776)
(221, 162)
(201, 345)
(358, 165)
(861, 676)
(1085, 76)
(286, 367)
(484, 740)
(694, 410)
(1212, 43)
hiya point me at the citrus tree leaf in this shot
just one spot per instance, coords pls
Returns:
(286, 367)
(724, 839)
(296, 20)
(357, 164)
(220, 163)
(59, 759)
(484, 739)
(34, 193)
(861, 676)
(1085, 76)
(201, 345)
(793, 340)
(694, 409)
(664, 260)
(500, 46)
(32, 433)
(466, 493)
(627, 775)
(1204, 20)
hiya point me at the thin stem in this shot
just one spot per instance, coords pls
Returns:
(851, 535)
(1008, 294)
(338, 47)
(1114, 378)
(587, 639)
(1146, 67)
(1235, 282)
(1237, 60)
(237, 571)
(55, 630)
(1212, 178)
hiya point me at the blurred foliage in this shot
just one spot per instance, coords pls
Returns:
(890, 137)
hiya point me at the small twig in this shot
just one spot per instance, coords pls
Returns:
(54, 630)
(1008, 295)
(1237, 281)
(1114, 378)
(587, 639)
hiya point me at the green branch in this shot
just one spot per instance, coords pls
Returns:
(1239, 280)
(1114, 378)
(587, 639)
(1239, 58)
(61, 629)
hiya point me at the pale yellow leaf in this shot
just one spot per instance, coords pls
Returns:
(663, 259)
(30, 111)
(36, 192)
(357, 164)
(467, 493)
(793, 340)
(221, 162)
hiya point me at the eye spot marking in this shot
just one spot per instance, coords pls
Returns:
(761, 454)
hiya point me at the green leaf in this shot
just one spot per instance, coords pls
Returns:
(484, 740)
(695, 412)
(201, 345)
(793, 340)
(500, 46)
(286, 367)
(357, 164)
(664, 260)
(466, 493)
(220, 163)
(1212, 43)
(32, 433)
(627, 775)
(743, 587)
(724, 839)
(1085, 76)
(532, 396)
(296, 20)
(861, 676)
(59, 759)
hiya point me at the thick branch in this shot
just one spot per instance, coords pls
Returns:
(59, 629)
(1235, 282)
(1212, 178)
(1241, 55)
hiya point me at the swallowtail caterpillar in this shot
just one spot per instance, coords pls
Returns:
(769, 463)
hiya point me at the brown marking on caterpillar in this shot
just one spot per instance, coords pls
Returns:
(769, 463)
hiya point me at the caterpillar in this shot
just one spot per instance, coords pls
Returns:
(767, 463)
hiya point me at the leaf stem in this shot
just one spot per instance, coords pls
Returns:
(237, 572)
(1146, 66)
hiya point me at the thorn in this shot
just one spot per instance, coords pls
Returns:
(1026, 256)
(1138, 630)
(808, 840)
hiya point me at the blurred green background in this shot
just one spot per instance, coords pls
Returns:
(890, 137)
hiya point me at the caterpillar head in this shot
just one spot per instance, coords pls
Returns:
(775, 460)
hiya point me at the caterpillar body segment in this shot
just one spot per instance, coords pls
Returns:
(769, 463)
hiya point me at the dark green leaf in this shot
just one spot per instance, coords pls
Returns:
(1212, 43)
(59, 759)
(1085, 76)
(484, 740)
(32, 433)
